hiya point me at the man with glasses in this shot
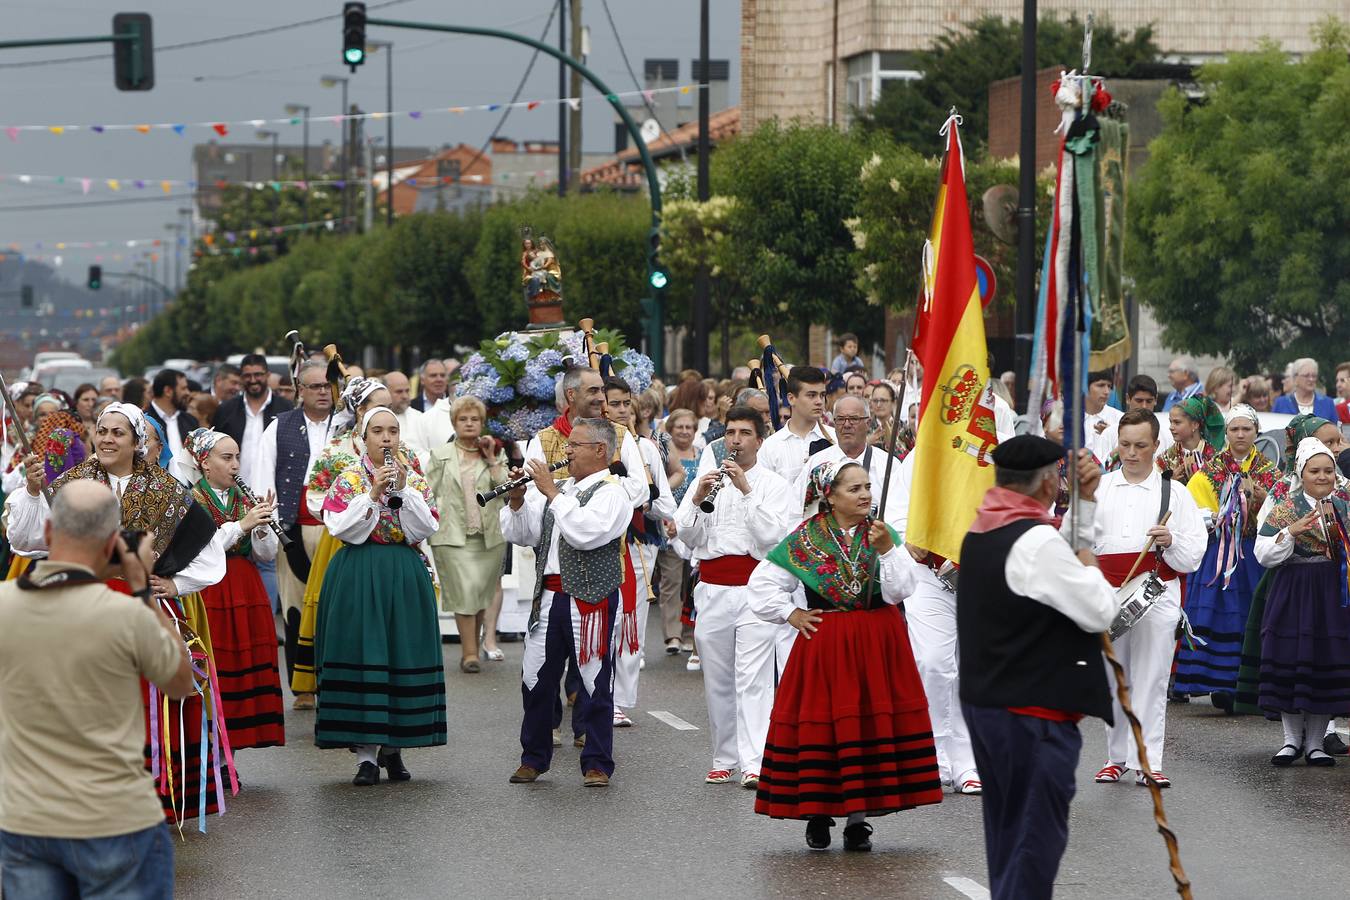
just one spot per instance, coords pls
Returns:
(1185, 379)
(245, 417)
(1305, 398)
(851, 427)
(576, 527)
(290, 446)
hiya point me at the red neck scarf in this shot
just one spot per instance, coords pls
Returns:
(1003, 507)
(564, 424)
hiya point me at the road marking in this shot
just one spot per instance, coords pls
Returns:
(972, 889)
(672, 720)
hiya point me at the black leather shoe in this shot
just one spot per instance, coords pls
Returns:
(858, 838)
(367, 774)
(818, 832)
(392, 763)
(1333, 745)
(1284, 760)
(1222, 700)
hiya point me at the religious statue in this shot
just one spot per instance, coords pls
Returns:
(541, 277)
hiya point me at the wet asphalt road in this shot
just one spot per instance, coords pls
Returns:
(298, 827)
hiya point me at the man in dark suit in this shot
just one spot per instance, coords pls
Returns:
(169, 396)
(433, 380)
(246, 416)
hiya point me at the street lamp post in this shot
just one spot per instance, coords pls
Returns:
(265, 134)
(371, 47)
(300, 109)
(330, 81)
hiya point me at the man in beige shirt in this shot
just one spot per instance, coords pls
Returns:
(78, 811)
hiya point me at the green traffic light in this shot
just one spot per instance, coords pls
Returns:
(659, 279)
(354, 55)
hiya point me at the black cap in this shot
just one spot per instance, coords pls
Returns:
(1027, 453)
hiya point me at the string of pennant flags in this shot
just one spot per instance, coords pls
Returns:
(214, 243)
(88, 184)
(222, 128)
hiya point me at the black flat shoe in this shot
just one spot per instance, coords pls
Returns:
(818, 832)
(367, 774)
(393, 765)
(1333, 745)
(1319, 758)
(1222, 700)
(858, 838)
(1284, 760)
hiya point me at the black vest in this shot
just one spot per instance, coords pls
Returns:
(1016, 651)
(292, 461)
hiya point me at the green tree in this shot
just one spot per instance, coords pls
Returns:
(1239, 225)
(959, 68)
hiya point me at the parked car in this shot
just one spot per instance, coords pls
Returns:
(278, 364)
(68, 378)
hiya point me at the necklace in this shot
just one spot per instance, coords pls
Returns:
(851, 566)
(467, 448)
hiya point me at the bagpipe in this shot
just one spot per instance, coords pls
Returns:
(770, 374)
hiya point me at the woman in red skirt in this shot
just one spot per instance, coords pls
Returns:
(243, 634)
(850, 735)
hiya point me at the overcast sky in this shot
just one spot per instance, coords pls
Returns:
(254, 77)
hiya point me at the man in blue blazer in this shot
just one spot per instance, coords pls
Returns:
(1305, 398)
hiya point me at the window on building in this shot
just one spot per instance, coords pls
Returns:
(868, 73)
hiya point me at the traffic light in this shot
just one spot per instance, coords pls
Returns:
(133, 58)
(95, 277)
(656, 273)
(26, 296)
(353, 34)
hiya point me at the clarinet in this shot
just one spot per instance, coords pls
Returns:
(710, 502)
(508, 487)
(252, 501)
(393, 501)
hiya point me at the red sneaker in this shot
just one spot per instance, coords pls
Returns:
(719, 776)
(1111, 773)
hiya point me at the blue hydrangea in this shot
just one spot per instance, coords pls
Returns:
(538, 381)
(475, 367)
(637, 371)
(522, 423)
(516, 351)
(548, 360)
(486, 387)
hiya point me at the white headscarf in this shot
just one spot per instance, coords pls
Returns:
(1242, 411)
(1307, 449)
(365, 423)
(133, 415)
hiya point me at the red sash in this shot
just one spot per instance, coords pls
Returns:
(1042, 712)
(302, 514)
(1115, 566)
(728, 571)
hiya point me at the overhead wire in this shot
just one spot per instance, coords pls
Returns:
(640, 86)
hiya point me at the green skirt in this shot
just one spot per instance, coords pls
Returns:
(1249, 669)
(469, 575)
(378, 651)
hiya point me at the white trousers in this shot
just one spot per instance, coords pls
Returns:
(290, 589)
(737, 651)
(1145, 652)
(931, 615)
(627, 666)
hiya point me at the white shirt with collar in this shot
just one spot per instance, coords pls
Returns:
(171, 433)
(1041, 566)
(740, 524)
(265, 472)
(1109, 439)
(250, 446)
(411, 432)
(437, 429)
(785, 452)
(1107, 417)
(604, 518)
(1126, 511)
(876, 470)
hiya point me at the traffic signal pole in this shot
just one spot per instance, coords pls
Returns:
(654, 272)
(133, 57)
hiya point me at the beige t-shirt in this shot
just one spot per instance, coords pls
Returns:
(72, 723)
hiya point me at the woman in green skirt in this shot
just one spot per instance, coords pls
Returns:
(381, 686)
(468, 547)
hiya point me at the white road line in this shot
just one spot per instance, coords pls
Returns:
(672, 720)
(972, 889)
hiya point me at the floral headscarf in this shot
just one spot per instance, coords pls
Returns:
(59, 441)
(822, 480)
(357, 391)
(197, 446)
(1206, 412)
(1299, 429)
(133, 415)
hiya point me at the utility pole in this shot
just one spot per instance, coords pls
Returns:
(574, 127)
(353, 162)
(701, 286)
(562, 99)
(370, 186)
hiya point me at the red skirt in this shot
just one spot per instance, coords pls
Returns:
(850, 730)
(244, 641)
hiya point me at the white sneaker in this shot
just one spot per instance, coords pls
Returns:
(642, 663)
(694, 664)
(621, 719)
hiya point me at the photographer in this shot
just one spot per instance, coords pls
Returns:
(78, 811)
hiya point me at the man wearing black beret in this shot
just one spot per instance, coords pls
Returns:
(1029, 609)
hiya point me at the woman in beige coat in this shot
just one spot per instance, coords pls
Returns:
(468, 547)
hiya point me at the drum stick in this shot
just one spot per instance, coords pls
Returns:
(1148, 545)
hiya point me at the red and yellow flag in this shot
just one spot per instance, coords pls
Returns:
(952, 466)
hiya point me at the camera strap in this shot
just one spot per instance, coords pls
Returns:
(60, 578)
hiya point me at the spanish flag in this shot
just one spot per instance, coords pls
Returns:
(956, 434)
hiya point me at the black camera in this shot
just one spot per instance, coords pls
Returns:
(132, 539)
